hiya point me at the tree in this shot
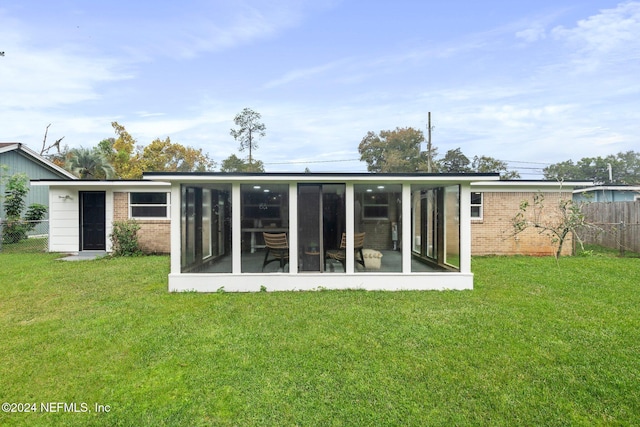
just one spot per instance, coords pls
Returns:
(558, 221)
(163, 155)
(627, 167)
(44, 151)
(484, 164)
(15, 228)
(89, 164)
(393, 151)
(624, 167)
(123, 156)
(131, 160)
(235, 164)
(249, 130)
(562, 171)
(454, 162)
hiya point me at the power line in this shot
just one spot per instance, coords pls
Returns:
(533, 170)
(528, 163)
(293, 162)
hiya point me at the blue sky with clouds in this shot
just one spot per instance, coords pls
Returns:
(530, 82)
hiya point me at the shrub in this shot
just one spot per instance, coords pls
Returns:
(124, 238)
(15, 229)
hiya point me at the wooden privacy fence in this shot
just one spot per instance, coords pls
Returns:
(617, 225)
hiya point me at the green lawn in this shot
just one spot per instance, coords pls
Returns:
(534, 344)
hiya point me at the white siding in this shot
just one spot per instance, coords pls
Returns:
(64, 221)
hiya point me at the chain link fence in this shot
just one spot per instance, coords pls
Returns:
(22, 236)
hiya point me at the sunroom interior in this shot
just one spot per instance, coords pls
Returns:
(207, 227)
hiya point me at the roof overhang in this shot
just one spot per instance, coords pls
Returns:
(201, 177)
(527, 185)
(82, 183)
(27, 152)
(632, 188)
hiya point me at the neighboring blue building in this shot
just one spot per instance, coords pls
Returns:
(18, 158)
(607, 193)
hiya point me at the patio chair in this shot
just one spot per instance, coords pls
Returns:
(278, 247)
(340, 254)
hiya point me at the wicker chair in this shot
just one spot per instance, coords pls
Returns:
(340, 254)
(278, 247)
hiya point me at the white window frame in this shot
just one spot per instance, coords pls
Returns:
(167, 206)
(364, 204)
(480, 205)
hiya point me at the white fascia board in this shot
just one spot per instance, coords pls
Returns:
(9, 147)
(38, 158)
(102, 184)
(526, 186)
(607, 188)
(325, 178)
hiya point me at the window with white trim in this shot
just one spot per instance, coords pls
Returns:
(476, 205)
(149, 205)
(375, 204)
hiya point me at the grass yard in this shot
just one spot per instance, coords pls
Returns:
(533, 345)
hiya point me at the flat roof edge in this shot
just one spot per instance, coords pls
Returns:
(298, 174)
(92, 183)
(320, 176)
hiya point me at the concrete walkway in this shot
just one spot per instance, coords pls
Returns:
(84, 256)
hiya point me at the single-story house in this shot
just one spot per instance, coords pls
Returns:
(607, 193)
(18, 158)
(495, 204)
(417, 228)
(82, 213)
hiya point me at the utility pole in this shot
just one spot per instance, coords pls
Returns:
(429, 156)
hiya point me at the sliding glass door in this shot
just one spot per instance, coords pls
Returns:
(436, 227)
(321, 222)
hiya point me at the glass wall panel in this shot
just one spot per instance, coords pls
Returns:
(435, 226)
(425, 230)
(265, 227)
(309, 228)
(321, 224)
(206, 223)
(378, 214)
(205, 213)
(452, 225)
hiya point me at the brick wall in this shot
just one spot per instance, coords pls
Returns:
(491, 235)
(154, 234)
(378, 231)
(378, 234)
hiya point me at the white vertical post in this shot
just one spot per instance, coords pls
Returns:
(465, 228)
(293, 228)
(236, 229)
(176, 227)
(406, 228)
(350, 226)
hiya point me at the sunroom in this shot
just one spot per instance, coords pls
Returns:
(311, 231)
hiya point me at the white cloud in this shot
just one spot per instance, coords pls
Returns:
(217, 26)
(39, 77)
(612, 35)
(532, 34)
(301, 74)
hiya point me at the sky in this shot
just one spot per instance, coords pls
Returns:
(528, 82)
